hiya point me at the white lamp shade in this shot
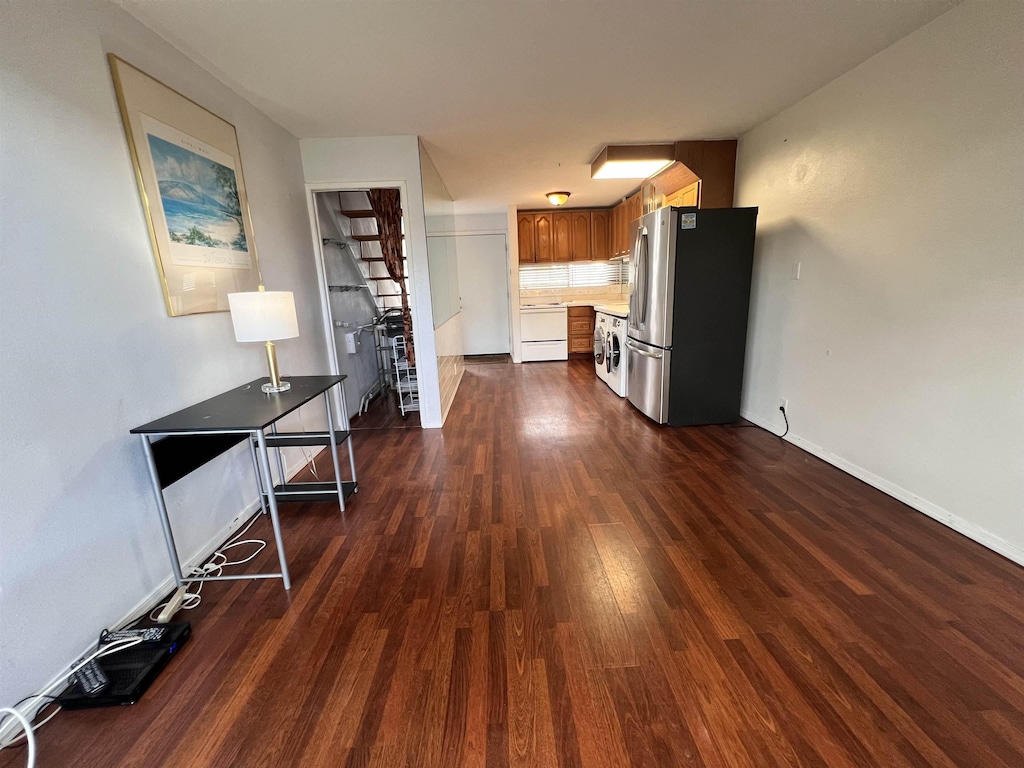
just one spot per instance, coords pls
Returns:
(263, 315)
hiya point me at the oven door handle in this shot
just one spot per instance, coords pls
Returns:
(644, 352)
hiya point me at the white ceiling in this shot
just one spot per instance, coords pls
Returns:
(514, 98)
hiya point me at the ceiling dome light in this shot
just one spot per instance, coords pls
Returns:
(632, 161)
(558, 198)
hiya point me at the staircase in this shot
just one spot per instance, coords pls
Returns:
(363, 227)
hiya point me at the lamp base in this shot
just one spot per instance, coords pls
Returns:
(270, 388)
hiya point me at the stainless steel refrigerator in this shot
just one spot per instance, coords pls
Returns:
(689, 299)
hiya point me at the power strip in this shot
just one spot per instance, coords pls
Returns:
(173, 605)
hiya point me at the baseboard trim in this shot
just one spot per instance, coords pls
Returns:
(447, 408)
(151, 600)
(964, 527)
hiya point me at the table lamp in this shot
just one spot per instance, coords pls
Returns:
(265, 316)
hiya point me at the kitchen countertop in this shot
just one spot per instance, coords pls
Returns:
(617, 308)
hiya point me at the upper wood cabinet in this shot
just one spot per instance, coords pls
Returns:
(632, 209)
(561, 236)
(561, 225)
(527, 239)
(636, 208)
(623, 216)
(600, 234)
(618, 214)
(685, 197)
(535, 238)
(581, 245)
(542, 229)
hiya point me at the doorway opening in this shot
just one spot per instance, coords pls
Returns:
(367, 300)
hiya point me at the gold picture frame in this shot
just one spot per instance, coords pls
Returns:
(189, 172)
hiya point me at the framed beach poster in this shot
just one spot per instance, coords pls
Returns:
(189, 173)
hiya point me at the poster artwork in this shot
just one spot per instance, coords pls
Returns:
(199, 199)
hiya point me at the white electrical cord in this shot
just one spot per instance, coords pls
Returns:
(215, 566)
(28, 731)
(27, 726)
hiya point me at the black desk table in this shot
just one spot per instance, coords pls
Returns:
(177, 444)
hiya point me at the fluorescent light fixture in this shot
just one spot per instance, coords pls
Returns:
(263, 316)
(558, 198)
(632, 161)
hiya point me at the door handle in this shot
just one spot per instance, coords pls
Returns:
(647, 276)
(643, 352)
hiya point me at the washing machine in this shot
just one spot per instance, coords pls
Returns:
(610, 351)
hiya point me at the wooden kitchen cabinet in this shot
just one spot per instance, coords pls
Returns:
(535, 238)
(561, 238)
(686, 197)
(624, 214)
(581, 329)
(632, 209)
(636, 211)
(618, 214)
(542, 236)
(600, 234)
(581, 245)
(527, 239)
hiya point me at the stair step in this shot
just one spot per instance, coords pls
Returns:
(357, 214)
(368, 238)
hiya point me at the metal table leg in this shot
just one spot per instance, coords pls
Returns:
(268, 481)
(259, 476)
(161, 507)
(278, 453)
(348, 428)
(334, 451)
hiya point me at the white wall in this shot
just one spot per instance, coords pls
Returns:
(87, 347)
(899, 187)
(481, 222)
(388, 161)
(450, 363)
(512, 227)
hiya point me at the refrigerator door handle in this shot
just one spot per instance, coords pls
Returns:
(644, 352)
(642, 248)
(631, 318)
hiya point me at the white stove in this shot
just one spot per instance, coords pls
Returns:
(610, 351)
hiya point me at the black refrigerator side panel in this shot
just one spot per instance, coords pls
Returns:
(714, 261)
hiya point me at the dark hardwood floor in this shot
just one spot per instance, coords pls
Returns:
(553, 580)
(383, 413)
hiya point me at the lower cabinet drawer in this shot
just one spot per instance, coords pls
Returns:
(581, 344)
(535, 351)
(580, 326)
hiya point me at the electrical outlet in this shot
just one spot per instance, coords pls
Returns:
(784, 404)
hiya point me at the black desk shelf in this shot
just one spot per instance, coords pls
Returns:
(180, 443)
(313, 491)
(295, 439)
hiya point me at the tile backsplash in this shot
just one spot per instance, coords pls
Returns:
(605, 294)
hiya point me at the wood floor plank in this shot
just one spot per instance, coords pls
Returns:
(553, 580)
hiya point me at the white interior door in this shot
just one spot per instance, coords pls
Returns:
(483, 285)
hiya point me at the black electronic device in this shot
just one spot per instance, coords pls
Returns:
(130, 671)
